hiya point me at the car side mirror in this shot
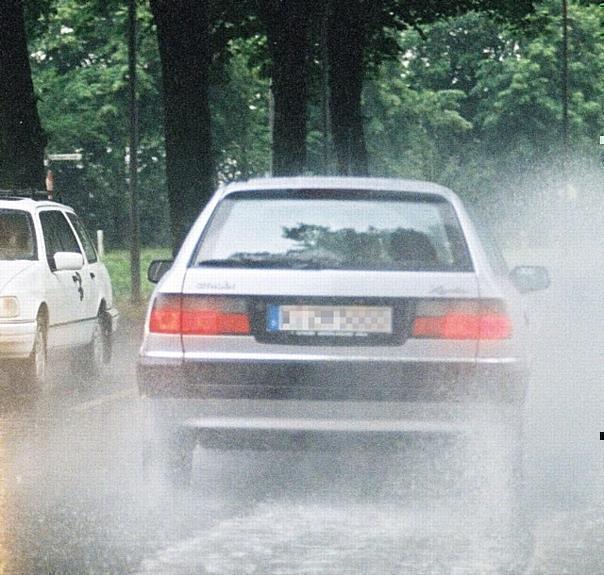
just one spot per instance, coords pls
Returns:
(68, 261)
(157, 269)
(530, 278)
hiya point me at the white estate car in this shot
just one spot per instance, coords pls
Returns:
(302, 310)
(54, 292)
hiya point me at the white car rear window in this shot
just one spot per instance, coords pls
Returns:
(16, 236)
(334, 230)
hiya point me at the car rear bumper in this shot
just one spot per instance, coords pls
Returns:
(302, 424)
(327, 404)
(17, 339)
(498, 382)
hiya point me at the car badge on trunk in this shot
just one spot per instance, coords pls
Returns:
(216, 286)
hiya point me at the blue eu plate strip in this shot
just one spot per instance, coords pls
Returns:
(272, 318)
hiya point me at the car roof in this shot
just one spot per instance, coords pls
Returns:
(338, 183)
(27, 204)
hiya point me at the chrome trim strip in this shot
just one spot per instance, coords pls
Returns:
(328, 425)
(229, 357)
(163, 354)
(63, 324)
(288, 357)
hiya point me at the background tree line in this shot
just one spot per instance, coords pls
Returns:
(465, 93)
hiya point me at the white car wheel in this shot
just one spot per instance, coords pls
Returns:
(96, 347)
(34, 369)
(98, 350)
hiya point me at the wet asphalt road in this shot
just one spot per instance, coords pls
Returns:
(73, 499)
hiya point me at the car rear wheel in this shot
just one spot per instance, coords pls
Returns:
(32, 372)
(98, 351)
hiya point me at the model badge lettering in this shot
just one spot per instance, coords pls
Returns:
(441, 290)
(217, 286)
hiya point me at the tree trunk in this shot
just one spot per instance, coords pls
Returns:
(346, 39)
(22, 139)
(287, 23)
(184, 46)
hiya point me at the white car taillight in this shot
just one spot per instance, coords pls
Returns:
(199, 315)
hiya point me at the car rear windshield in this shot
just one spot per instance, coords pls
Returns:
(16, 236)
(314, 229)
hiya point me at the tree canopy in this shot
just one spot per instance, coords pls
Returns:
(464, 93)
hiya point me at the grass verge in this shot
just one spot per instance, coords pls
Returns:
(118, 266)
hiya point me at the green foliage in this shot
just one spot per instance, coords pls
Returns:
(239, 100)
(79, 60)
(477, 105)
(118, 266)
(468, 100)
(413, 132)
(521, 108)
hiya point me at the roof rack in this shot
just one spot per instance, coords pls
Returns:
(24, 193)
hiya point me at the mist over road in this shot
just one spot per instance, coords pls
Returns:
(565, 410)
(73, 499)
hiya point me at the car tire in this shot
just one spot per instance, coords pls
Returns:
(97, 352)
(33, 370)
(107, 338)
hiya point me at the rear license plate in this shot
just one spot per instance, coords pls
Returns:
(327, 320)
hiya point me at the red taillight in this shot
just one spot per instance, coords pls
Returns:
(199, 315)
(166, 314)
(461, 320)
(214, 316)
